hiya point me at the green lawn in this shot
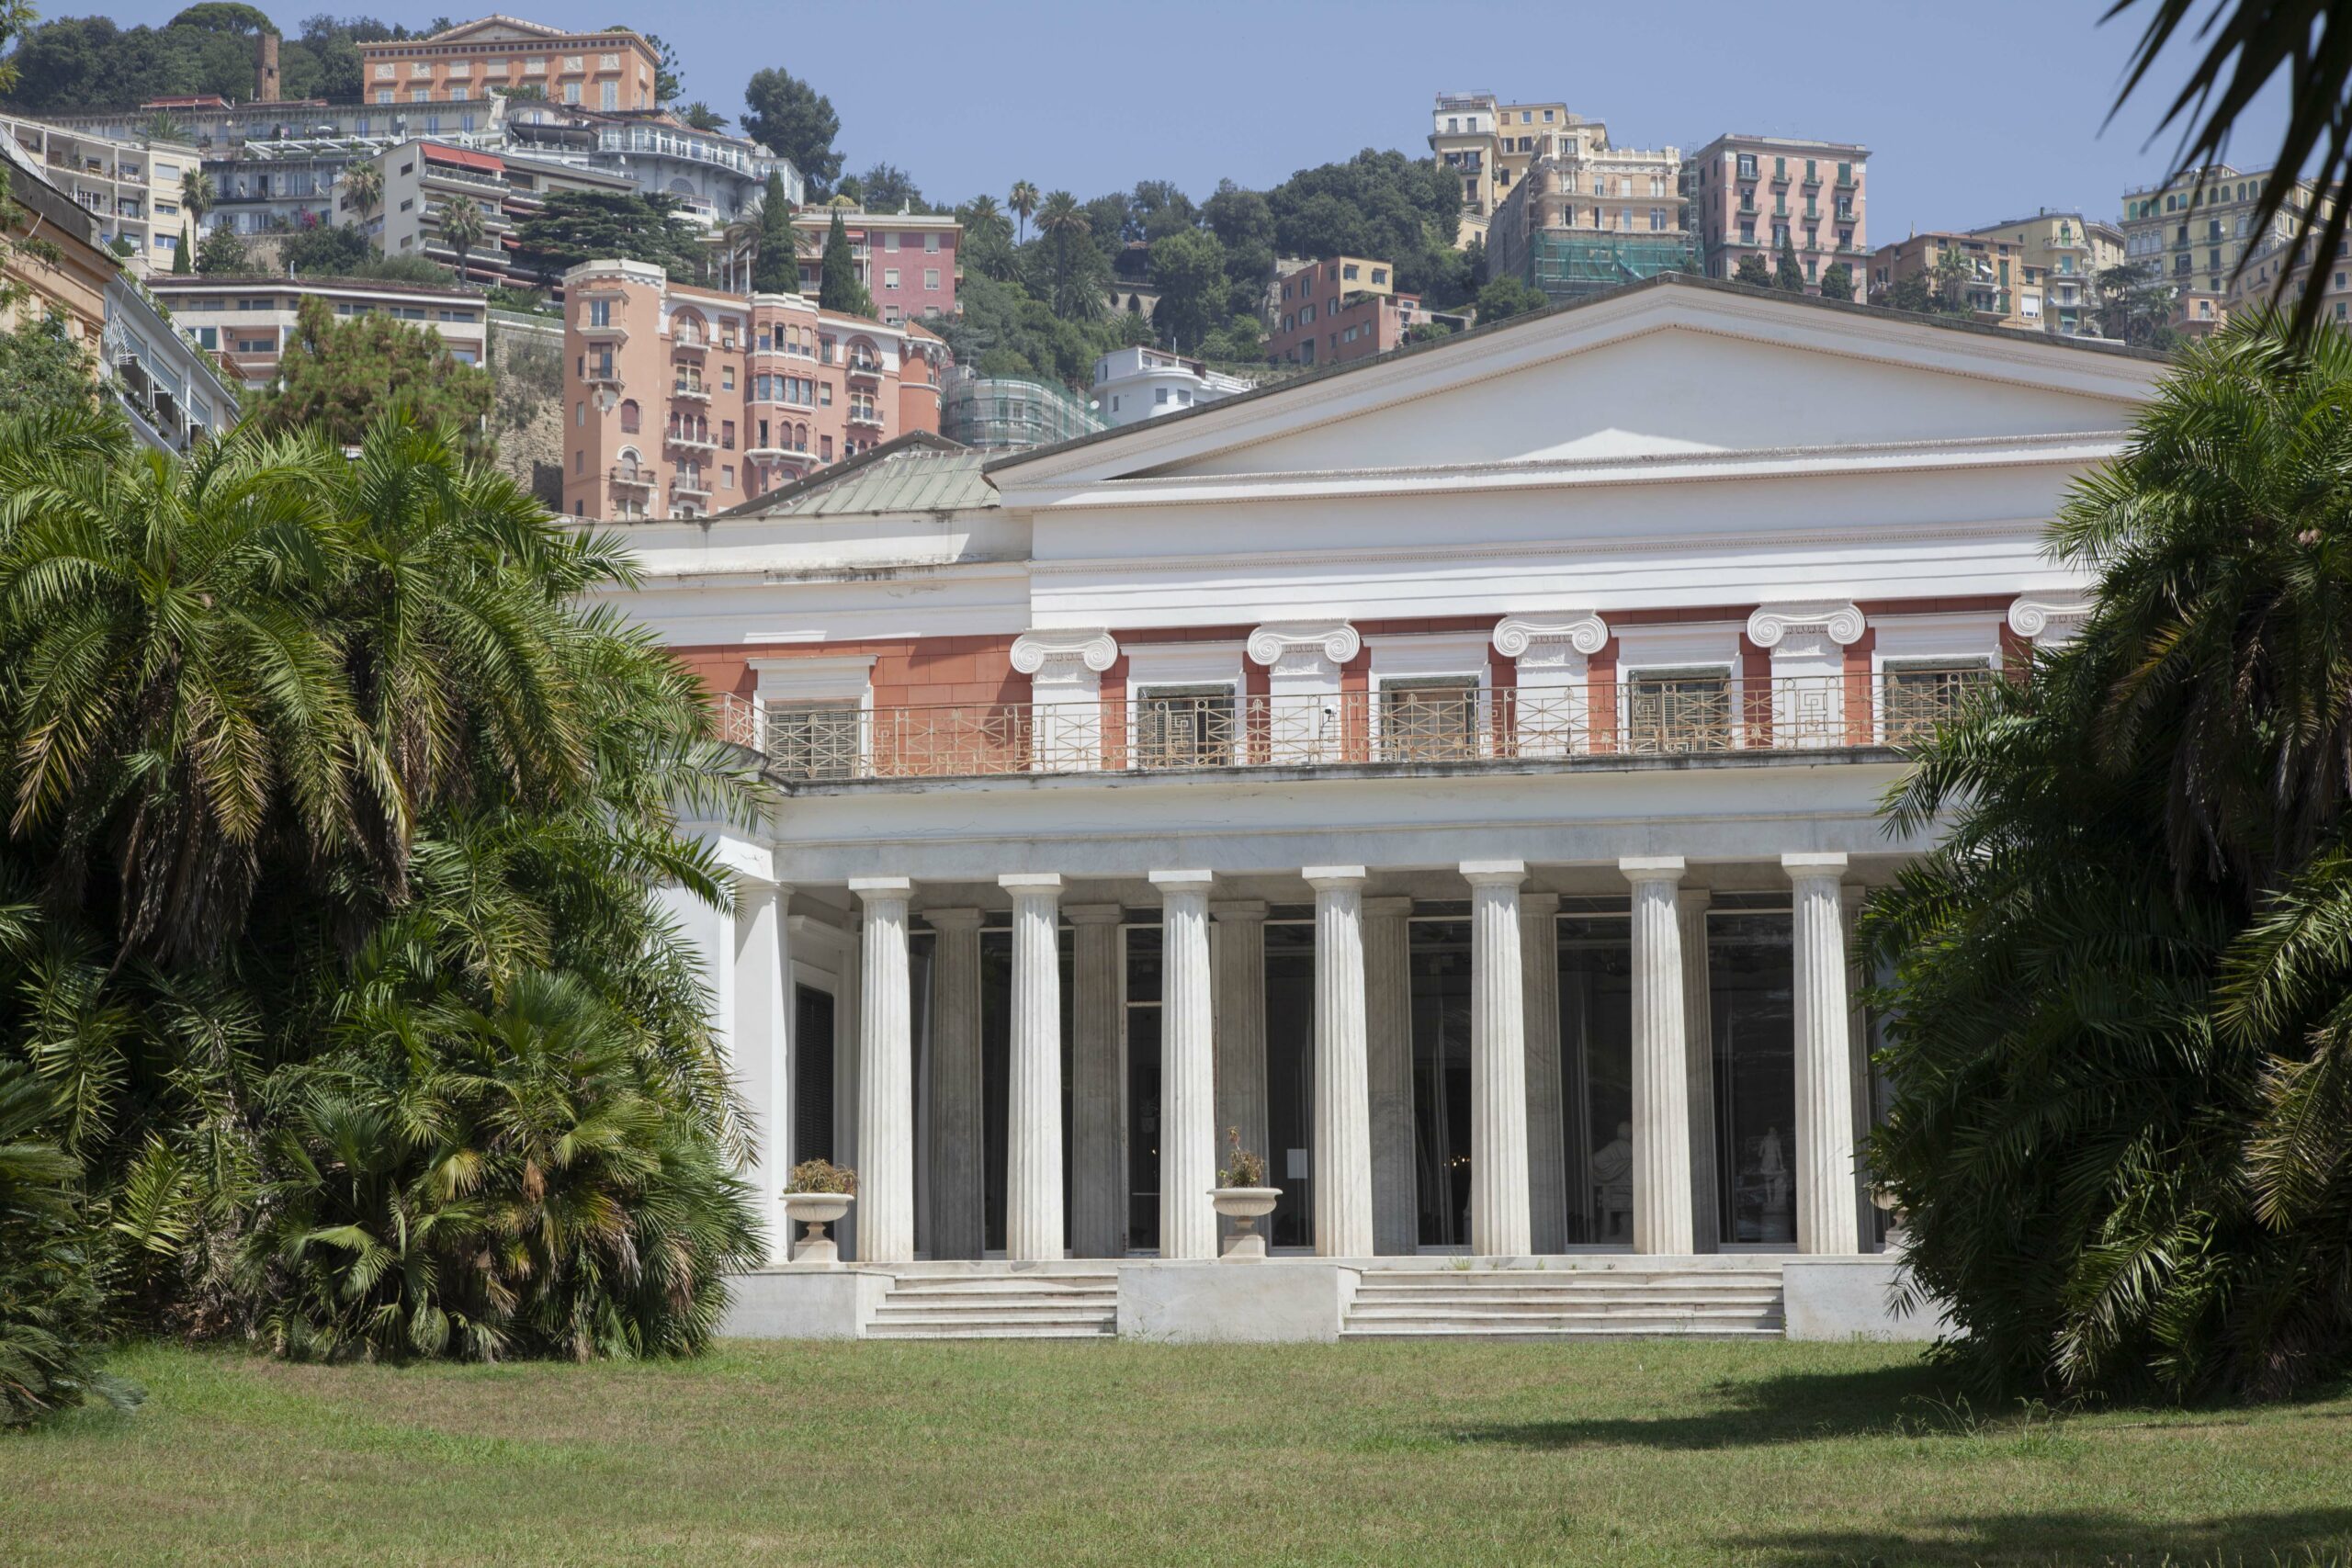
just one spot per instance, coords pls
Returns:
(1122, 1453)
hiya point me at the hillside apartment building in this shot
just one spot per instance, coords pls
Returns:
(909, 262)
(1747, 195)
(1338, 310)
(609, 69)
(684, 401)
(2197, 227)
(249, 319)
(130, 184)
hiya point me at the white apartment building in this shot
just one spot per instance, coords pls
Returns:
(1457, 771)
(250, 320)
(169, 386)
(1135, 384)
(130, 183)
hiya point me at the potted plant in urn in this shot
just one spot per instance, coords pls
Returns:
(816, 1194)
(1243, 1196)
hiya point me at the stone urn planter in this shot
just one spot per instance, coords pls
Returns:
(815, 1249)
(1245, 1206)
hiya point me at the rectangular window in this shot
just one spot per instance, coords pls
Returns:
(1915, 696)
(814, 740)
(1678, 710)
(889, 278)
(931, 278)
(1428, 719)
(610, 96)
(1184, 727)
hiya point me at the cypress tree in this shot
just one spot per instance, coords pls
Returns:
(838, 287)
(184, 258)
(1789, 276)
(776, 268)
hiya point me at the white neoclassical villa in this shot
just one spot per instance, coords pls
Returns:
(1453, 776)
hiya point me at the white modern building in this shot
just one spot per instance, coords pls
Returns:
(169, 387)
(130, 184)
(1135, 384)
(1457, 773)
(249, 319)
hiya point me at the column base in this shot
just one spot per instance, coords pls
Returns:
(1242, 1249)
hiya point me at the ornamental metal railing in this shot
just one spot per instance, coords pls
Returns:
(1649, 714)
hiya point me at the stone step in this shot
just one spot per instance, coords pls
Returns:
(1081, 1284)
(997, 1306)
(1481, 1308)
(908, 1317)
(1572, 1287)
(1566, 1279)
(1565, 1331)
(1101, 1330)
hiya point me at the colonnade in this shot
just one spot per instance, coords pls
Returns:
(1213, 1056)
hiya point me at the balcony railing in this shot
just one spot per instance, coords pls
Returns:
(628, 478)
(697, 389)
(1670, 715)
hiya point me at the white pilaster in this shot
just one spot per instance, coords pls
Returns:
(1033, 1197)
(1239, 951)
(1342, 1103)
(1499, 1197)
(1858, 1034)
(1808, 643)
(1187, 1068)
(1305, 722)
(1699, 1049)
(1547, 1177)
(885, 1101)
(958, 1157)
(1826, 1221)
(1552, 653)
(1064, 669)
(1661, 1066)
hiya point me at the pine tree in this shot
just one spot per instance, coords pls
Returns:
(838, 287)
(1753, 272)
(1789, 276)
(775, 269)
(184, 258)
(1838, 281)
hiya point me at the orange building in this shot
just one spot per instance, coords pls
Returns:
(682, 401)
(614, 69)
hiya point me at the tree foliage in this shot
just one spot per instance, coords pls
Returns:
(775, 265)
(334, 826)
(575, 226)
(336, 375)
(2121, 1042)
(837, 284)
(1838, 281)
(1504, 297)
(79, 63)
(53, 1302)
(1787, 275)
(43, 370)
(221, 254)
(788, 116)
(1753, 271)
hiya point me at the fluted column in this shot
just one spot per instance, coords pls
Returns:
(1342, 1105)
(759, 1046)
(1826, 1221)
(1547, 1177)
(1661, 1064)
(1498, 1207)
(957, 1160)
(1187, 1068)
(886, 1098)
(1098, 1081)
(1032, 1186)
(1240, 1033)
(1699, 1047)
(1388, 1041)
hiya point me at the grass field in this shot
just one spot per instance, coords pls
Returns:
(1122, 1453)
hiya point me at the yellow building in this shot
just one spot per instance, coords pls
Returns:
(611, 69)
(1491, 145)
(54, 259)
(2062, 253)
(2196, 228)
(2003, 288)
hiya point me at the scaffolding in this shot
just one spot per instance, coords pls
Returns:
(1002, 413)
(1565, 265)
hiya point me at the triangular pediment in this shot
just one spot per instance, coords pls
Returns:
(1657, 372)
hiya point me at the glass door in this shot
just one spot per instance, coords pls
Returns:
(1597, 1077)
(1751, 979)
(1441, 969)
(1290, 1081)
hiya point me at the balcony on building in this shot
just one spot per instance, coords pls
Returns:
(692, 441)
(1655, 718)
(633, 477)
(693, 387)
(688, 339)
(864, 367)
(865, 418)
(604, 332)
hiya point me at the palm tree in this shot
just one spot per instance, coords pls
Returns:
(197, 194)
(1063, 222)
(462, 226)
(161, 126)
(984, 217)
(363, 187)
(1023, 200)
(2120, 1128)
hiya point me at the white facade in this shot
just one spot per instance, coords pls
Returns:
(170, 388)
(130, 184)
(1135, 384)
(1519, 706)
(251, 318)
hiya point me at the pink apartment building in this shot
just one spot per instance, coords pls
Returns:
(682, 401)
(909, 261)
(1749, 193)
(1345, 308)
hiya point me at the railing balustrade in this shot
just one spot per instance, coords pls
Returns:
(1662, 714)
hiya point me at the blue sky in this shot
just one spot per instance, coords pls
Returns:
(1973, 113)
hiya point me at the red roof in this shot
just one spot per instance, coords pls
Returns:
(435, 152)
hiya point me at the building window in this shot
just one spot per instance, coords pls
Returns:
(1678, 710)
(814, 740)
(889, 278)
(1917, 695)
(629, 416)
(572, 92)
(1184, 727)
(1428, 719)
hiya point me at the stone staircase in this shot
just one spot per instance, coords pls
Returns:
(1062, 1304)
(1582, 1302)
